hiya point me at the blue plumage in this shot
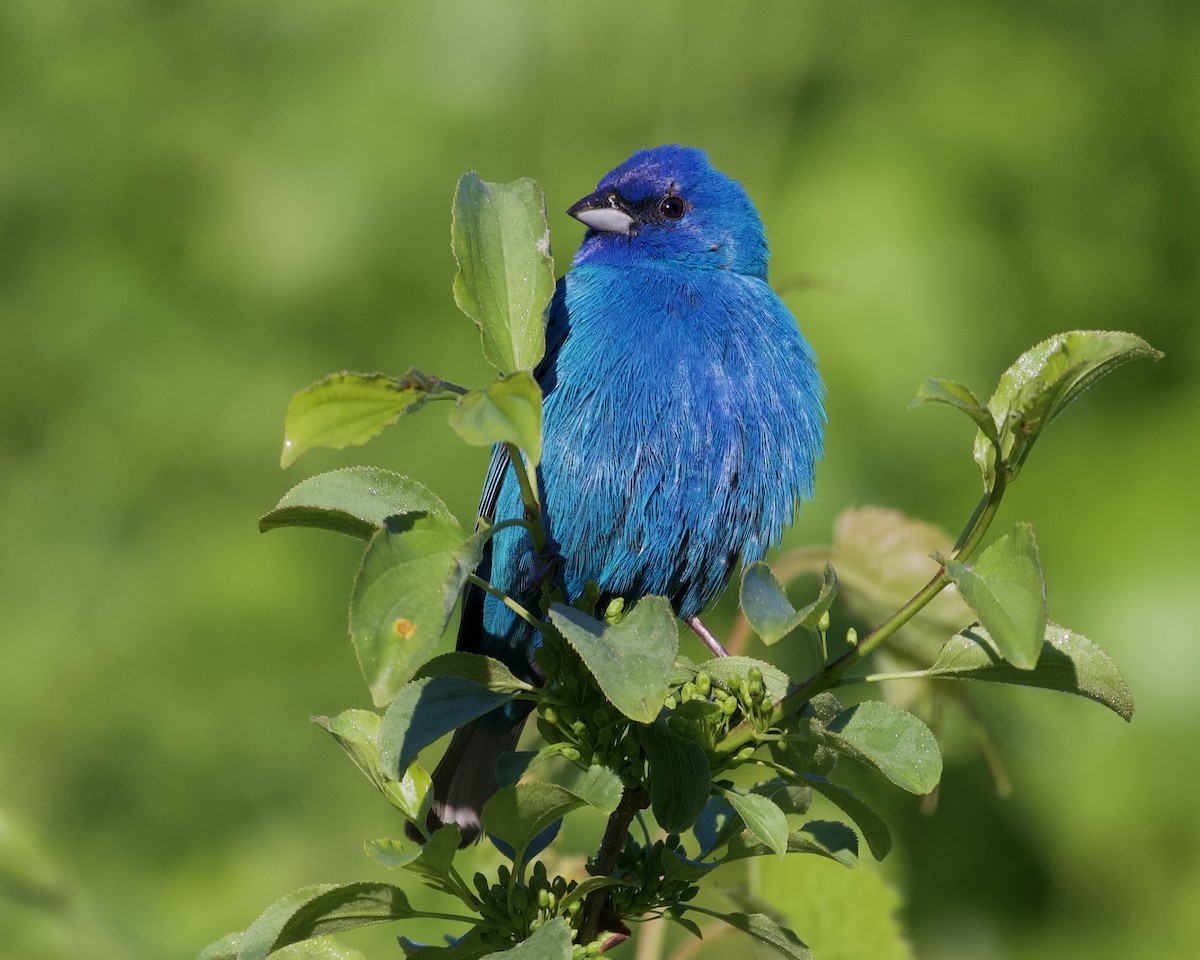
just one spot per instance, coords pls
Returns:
(682, 421)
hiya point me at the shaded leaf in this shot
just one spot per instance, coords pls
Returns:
(469, 946)
(427, 709)
(883, 557)
(1069, 663)
(874, 829)
(825, 838)
(1042, 382)
(768, 609)
(632, 659)
(505, 273)
(765, 930)
(1006, 590)
(680, 777)
(507, 410)
(354, 501)
(517, 814)
(347, 409)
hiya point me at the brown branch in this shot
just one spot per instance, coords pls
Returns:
(632, 800)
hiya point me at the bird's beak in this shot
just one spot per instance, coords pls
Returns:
(605, 210)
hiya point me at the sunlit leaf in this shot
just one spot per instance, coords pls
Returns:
(355, 501)
(486, 671)
(322, 909)
(1006, 590)
(1069, 663)
(960, 397)
(507, 410)
(722, 669)
(768, 609)
(357, 732)
(874, 828)
(409, 581)
(1043, 381)
(632, 659)
(505, 272)
(551, 941)
(884, 736)
(762, 818)
(347, 409)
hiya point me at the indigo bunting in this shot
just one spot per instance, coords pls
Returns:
(683, 415)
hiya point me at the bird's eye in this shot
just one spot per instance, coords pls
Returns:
(672, 208)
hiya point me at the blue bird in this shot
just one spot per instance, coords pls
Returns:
(683, 417)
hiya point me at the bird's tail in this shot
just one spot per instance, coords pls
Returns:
(465, 778)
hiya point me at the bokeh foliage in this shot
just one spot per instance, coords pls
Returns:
(204, 205)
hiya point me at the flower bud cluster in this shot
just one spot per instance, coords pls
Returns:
(654, 883)
(513, 910)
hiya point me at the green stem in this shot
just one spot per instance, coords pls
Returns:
(520, 611)
(831, 675)
(527, 481)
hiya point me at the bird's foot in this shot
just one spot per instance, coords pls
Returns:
(700, 630)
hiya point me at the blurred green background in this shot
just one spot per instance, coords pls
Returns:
(206, 206)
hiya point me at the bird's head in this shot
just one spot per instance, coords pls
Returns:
(670, 204)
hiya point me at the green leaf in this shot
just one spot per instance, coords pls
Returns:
(1069, 663)
(882, 559)
(322, 948)
(347, 409)
(519, 813)
(768, 609)
(722, 669)
(765, 930)
(762, 818)
(409, 581)
(632, 659)
(824, 838)
(507, 410)
(680, 777)
(1006, 590)
(890, 739)
(961, 398)
(436, 857)
(874, 828)
(431, 861)
(596, 786)
(321, 909)
(1043, 381)
(427, 709)
(551, 941)
(590, 884)
(357, 732)
(864, 927)
(505, 272)
(486, 671)
(470, 946)
(355, 501)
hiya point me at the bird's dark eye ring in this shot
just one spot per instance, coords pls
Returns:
(673, 208)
